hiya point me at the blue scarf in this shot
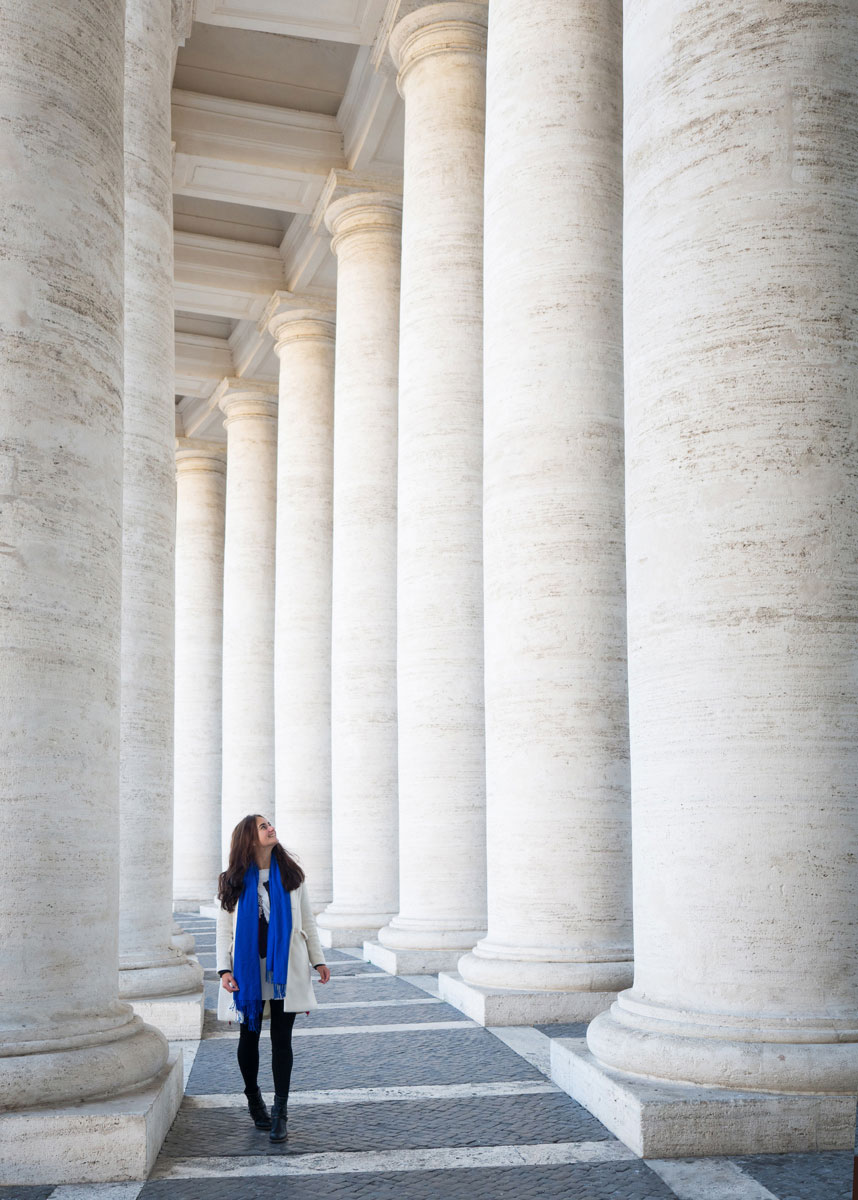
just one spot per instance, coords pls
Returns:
(247, 1001)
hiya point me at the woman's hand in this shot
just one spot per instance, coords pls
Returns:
(324, 973)
(227, 980)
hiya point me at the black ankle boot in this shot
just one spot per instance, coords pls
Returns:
(258, 1111)
(278, 1119)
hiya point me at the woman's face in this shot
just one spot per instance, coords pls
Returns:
(265, 832)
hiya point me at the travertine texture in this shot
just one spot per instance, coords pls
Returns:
(250, 408)
(440, 53)
(304, 341)
(366, 228)
(149, 964)
(557, 775)
(200, 492)
(64, 1037)
(741, 269)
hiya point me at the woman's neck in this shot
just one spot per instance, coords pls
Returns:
(263, 857)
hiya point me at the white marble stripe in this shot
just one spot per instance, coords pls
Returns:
(376, 1161)
(188, 1050)
(379, 1003)
(708, 1179)
(381, 1095)
(528, 1043)
(339, 1030)
(426, 983)
(96, 1191)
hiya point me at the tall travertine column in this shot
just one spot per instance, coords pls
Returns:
(200, 492)
(366, 228)
(304, 341)
(250, 408)
(65, 1039)
(557, 786)
(741, 270)
(151, 968)
(440, 55)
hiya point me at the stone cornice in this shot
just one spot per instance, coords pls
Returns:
(439, 29)
(360, 213)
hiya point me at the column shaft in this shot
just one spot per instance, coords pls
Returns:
(65, 1038)
(201, 487)
(149, 964)
(557, 773)
(366, 230)
(741, 268)
(304, 341)
(440, 54)
(248, 602)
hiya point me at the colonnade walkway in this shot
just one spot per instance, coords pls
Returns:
(397, 1096)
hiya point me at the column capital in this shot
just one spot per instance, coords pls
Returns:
(194, 454)
(370, 212)
(452, 27)
(240, 399)
(291, 316)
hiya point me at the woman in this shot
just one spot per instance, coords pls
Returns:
(266, 943)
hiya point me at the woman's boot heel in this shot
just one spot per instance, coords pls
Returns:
(278, 1120)
(258, 1111)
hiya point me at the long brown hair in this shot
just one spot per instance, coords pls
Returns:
(242, 852)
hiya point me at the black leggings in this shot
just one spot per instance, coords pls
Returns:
(281, 1050)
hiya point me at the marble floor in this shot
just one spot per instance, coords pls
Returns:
(397, 1095)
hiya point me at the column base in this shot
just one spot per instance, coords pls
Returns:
(180, 1018)
(509, 1006)
(100, 1141)
(410, 962)
(349, 928)
(677, 1120)
(210, 910)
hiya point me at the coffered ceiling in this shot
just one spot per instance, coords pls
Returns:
(278, 105)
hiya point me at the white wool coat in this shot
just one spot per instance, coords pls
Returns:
(305, 951)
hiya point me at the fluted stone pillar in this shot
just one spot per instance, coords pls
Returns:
(66, 1042)
(557, 774)
(742, 353)
(200, 493)
(250, 409)
(366, 228)
(158, 978)
(304, 341)
(440, 54)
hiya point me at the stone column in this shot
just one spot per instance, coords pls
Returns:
(201, 487)
(366, 228)
(158, 978)
(304, 341)
(65, 1039)
(557, 771)
(742, 344)
(440, 54)
(250, 408)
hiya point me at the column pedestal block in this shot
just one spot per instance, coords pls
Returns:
(659, 1120)
(102, 1141)
(411, 962)
(513, 1006)
(356, 935)
(180, 1018)
(210, 910)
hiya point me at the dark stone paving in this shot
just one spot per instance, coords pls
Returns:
(605, 1181)
(391, 1125)
(369, 1060)
(469, 1055)
(571, 1029)
(802, 1176)
(16, 1191)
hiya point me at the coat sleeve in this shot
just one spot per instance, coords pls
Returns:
(223, 941)
(308, 924)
